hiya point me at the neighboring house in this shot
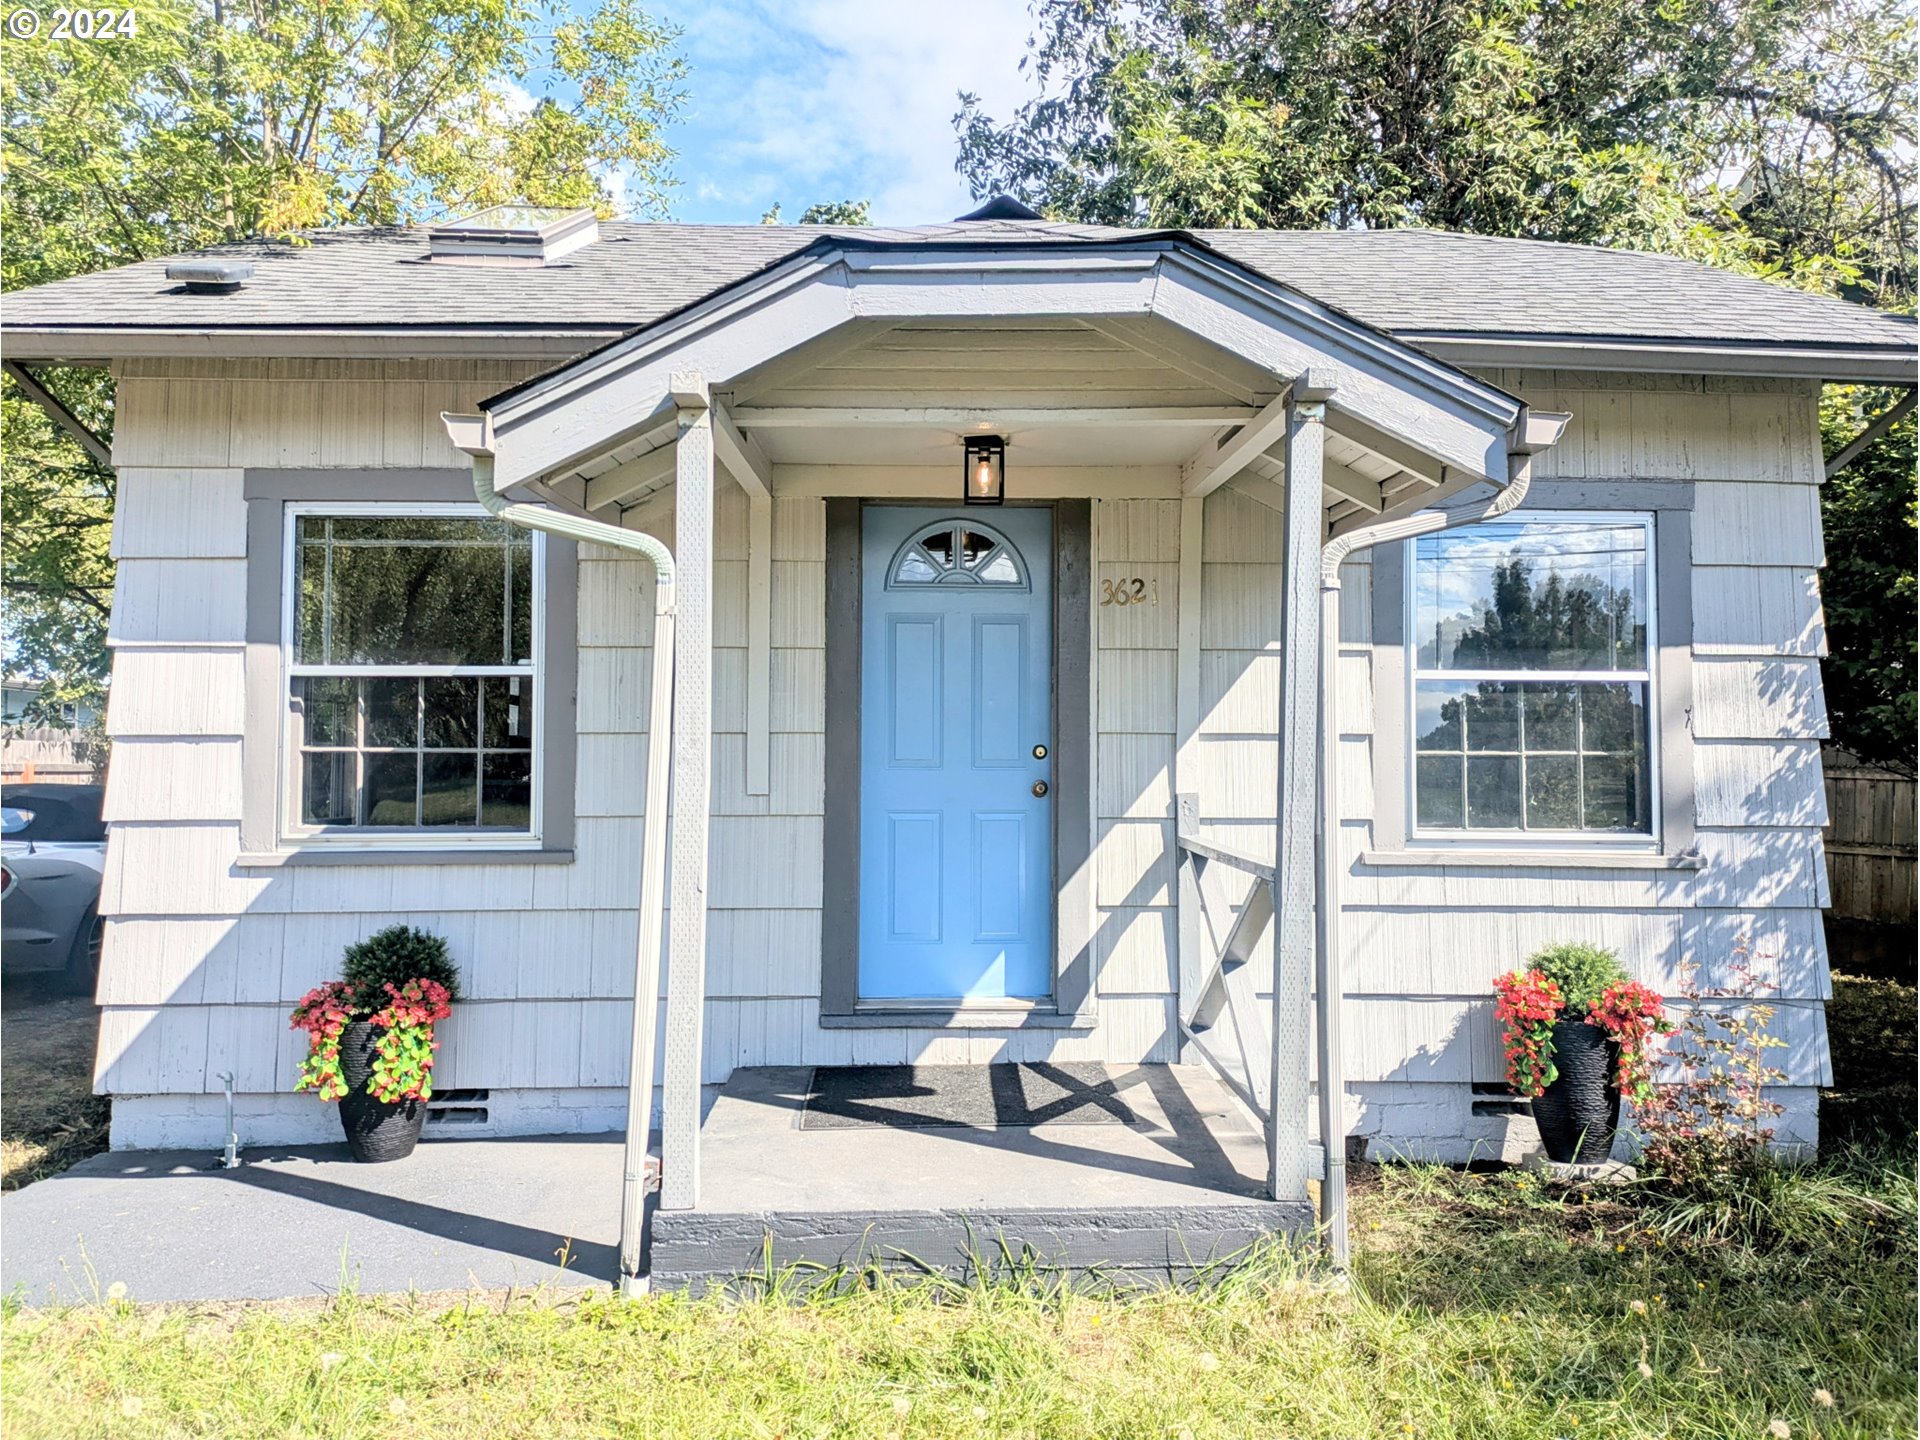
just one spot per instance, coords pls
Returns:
(19, 692)
(342, 696)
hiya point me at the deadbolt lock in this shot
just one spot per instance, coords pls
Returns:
(1039, 787)
(1039, 752)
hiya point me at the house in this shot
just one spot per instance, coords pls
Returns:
(1528, 533)
(19, 693)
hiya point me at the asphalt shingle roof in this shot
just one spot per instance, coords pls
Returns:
(1403, 281)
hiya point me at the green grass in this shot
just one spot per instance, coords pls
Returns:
(1480, 1306)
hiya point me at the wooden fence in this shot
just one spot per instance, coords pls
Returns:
(48, 754)
(1870, 841)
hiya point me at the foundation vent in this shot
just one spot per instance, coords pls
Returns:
(457, 1109)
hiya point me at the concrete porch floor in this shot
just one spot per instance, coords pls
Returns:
(1156, 1200)
(300, 1221)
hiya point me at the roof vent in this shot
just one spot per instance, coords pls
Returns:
(514, 234)
(210, 277)
(1000, 207)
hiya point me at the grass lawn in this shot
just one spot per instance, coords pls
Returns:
(1481, 1306)
(49, 1115)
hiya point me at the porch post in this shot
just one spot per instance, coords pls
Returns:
(692, 743)
(1289, 1164)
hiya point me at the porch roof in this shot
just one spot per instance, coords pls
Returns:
(1011, 337)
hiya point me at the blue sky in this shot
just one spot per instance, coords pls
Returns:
(815, 100)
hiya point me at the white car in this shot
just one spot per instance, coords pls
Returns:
(53, 850)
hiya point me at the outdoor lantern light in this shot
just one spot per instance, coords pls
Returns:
(984, 479)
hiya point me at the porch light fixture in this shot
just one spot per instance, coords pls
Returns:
(983, 478)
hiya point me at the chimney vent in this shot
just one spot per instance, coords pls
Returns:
(211, 277)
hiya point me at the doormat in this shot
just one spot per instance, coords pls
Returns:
(975, 1097)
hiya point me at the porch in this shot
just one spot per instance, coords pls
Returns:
(1139, 385)
(1171, 1186)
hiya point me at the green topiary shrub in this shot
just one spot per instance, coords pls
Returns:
(1581, 971)
(396, 955)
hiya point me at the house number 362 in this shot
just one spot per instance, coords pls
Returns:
(1130, 592)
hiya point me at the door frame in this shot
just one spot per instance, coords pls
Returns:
(1071, 667)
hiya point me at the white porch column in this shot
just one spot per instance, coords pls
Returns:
(1289, 1165)
(692, 748)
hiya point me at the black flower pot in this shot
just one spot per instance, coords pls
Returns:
(1579, 1112)
(376, 1129)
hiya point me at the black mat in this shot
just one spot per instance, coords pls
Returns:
(977, 1097)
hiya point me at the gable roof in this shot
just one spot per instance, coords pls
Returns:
(1450, 292)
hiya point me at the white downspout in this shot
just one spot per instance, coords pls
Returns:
(1532, 432)
(473, 434)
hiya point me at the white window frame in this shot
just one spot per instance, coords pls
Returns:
(440, 838)
(1649, 840)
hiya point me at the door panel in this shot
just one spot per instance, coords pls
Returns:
(956, 868)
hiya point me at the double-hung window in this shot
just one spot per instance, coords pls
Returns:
(1532, 645)
(413, 664)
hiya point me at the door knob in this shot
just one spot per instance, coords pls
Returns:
(1039, 787)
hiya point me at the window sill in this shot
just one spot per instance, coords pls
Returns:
(1534, 859)
(962, 1018)
(330, 855)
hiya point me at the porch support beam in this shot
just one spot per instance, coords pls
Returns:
(623, 482)
(759, 643)
(1217, 462)
(761, 417)
(742, 455)
(692, 746)
(1187, 722)
(1289, 1156)
(748, 464)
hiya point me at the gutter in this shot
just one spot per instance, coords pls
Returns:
(1533, 432)
(474, 435)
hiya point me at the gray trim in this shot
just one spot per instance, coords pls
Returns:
(267, 493)
(1787, 360)
(1672, 504)
(931, 1018)
(1559, 859)
(1073, 819)
(340, 855)
(840, 917)
(1073, 829)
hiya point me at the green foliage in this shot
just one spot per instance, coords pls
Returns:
(1581, 971)
(218, 122)
(1767, 136)
(394, 956)
(1868, 587)
(829, 212)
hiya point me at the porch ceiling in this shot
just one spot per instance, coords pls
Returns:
(1067, 391)
(1148, 354)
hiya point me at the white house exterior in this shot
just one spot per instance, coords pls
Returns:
(1153, 389)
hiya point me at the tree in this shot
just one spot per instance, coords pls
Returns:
(830, 212)
(1868, 588)
(1771, 135)
(215, 121)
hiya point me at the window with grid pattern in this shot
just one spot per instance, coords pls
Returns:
(1532, 643)
(412, 667)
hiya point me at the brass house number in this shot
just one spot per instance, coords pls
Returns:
(1130, 592)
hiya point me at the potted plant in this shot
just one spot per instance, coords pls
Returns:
(1577, 1035)
(370, 1038)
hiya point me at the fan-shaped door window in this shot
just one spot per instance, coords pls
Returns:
(958, 552)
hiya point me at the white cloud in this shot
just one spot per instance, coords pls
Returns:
(841, 100)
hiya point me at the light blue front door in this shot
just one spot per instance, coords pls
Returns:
(956, 849)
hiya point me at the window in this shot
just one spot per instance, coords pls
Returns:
(1532, 644)
(956, 553)
(413, 671)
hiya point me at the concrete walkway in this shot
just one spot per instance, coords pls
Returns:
(306, 1221)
